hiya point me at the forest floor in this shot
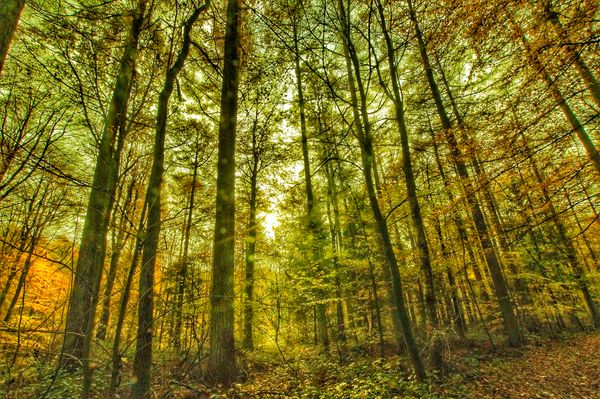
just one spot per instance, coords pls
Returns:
(565, 368)
(554, 369)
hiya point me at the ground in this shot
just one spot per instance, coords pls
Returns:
(557, 369)
(552, 369)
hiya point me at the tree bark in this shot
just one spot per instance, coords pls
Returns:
(123, 302)
(588, 144)
(118, 241)
(248, 341)
(10, 13)
(591, 83)
(363, 132)
(411, 192)
(511, 325)
(88, 273)
(221, 358)
(183, 270)
(142, 361)
(314, 222)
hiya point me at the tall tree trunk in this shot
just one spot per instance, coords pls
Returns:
(484, 187)
(123, 302)
(511, 324)
(333, 221)
(413, 200)
(565, 241)
(184, 266)
(588, 144)
(363, 133)
(21, 282)
(10, 13)
(314, 222)
(591, 83)
(118, 241)
(221, 359)
(248, 341)
(142, 361)
(88, 272)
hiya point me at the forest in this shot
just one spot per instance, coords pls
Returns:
(299, 199)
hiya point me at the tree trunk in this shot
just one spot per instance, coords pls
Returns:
(314, 222)
(10, 13)
(591, 83)
(565, 241)
(221, 359)
(21, 282)
(363, 132)
(183, 270)
(333, 221)
(413, 200)
(511, 325)
(118, 241)
(88, 273)
(583, 136)
(248, 341)
(124, 300)
(142, 361)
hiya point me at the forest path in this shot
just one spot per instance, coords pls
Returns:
(560, 369)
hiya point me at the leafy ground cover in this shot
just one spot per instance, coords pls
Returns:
(552, 369)
(555, 369)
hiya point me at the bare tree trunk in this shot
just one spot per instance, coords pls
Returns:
(123, 302)
(88, 273)
(10, 13)
(221, 358)
(142, 361)
(248, 341)
(411, 191)
(583, 136)
(363, 132)
(511, 324)
(183, 270)
(118, 241)
(314, 222)
(591, 83)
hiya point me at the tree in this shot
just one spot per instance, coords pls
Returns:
(411, 189)
(363, 134)
(142, 363)
(511, 324)
(221, 359)
(10, 13)
(88, 273)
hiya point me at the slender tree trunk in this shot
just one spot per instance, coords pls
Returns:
(565, 241)
(10, 13)
(411, 191)
(333, 221)
(314, 222)
(484, 187)
(21, 283)
(88, 273)
(248, 341)
(142, 361)
(511, 325)
(13, 270)
(123, 302)
(118, 241)
(591, 83)
(576, 125)
(184, 266)
(363, 130)
(221, 359)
